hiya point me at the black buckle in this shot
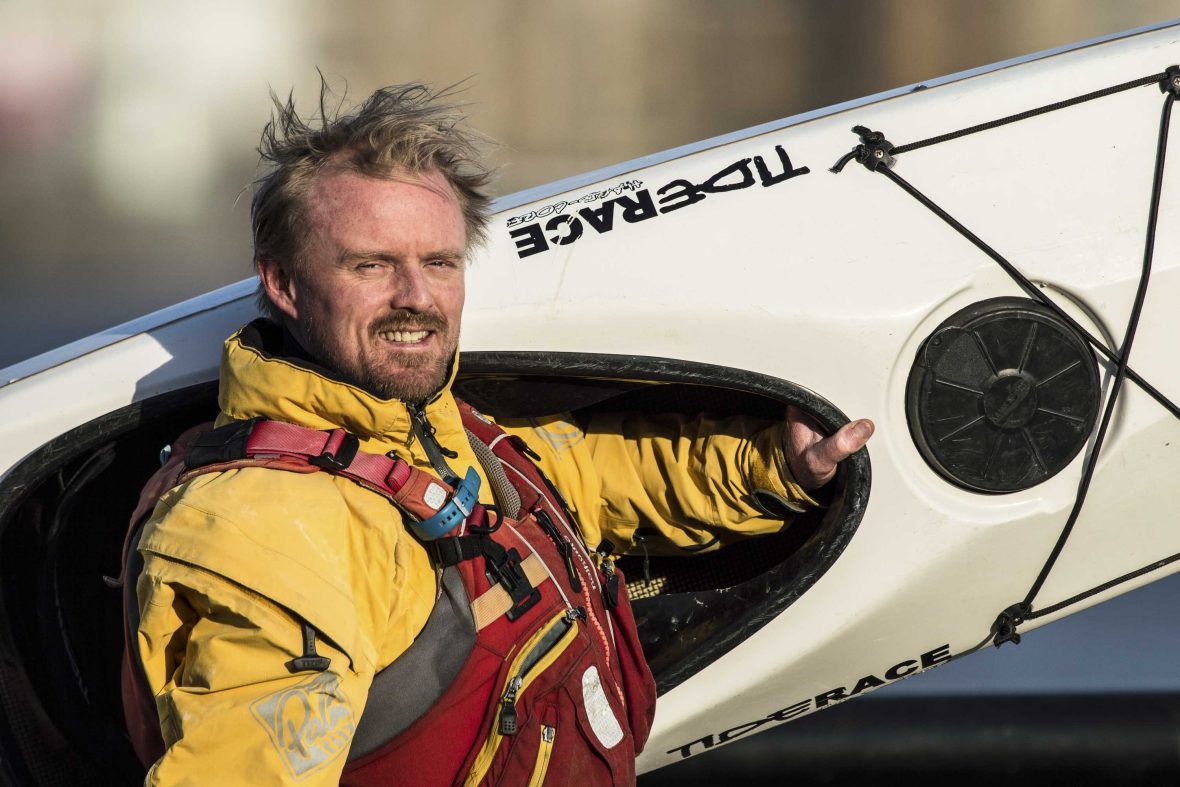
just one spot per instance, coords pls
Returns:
(343, 457)
(505, 570)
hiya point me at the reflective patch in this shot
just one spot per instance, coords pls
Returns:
(560, 435)
(309, 723)
(434, 496)
(598, 710)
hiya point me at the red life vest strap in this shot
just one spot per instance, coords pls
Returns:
(278, 445)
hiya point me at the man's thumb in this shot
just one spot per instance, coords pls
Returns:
(853, 436)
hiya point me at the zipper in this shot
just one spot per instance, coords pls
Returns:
(525, 666)
(437, 455)
(544, 752)
(536, 656)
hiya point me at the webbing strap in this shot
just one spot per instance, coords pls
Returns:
(335, 451)
(496, 601)
(436, 509)
(448, 552)
(460, 508)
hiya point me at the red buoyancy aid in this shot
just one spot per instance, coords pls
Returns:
(529, 668)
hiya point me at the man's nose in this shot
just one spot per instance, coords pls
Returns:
(412, 289)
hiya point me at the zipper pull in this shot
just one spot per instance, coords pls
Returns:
(610, 585)
(563, 547)
(638, 539)
(431, 431)
(508, 707)
(519, 442)
(570, 568)
(574, 613)
(435, 451)
(610, 588)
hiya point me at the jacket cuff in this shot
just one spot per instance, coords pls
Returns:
(772, 486)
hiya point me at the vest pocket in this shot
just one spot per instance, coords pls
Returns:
(538, 653)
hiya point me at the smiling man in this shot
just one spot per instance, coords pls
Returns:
(355, 578)
(380, 294)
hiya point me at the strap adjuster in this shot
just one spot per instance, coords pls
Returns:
(338, 452)
(453, 512)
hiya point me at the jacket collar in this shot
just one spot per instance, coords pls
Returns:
(259, 379)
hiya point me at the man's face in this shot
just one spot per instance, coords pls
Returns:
(380, 294)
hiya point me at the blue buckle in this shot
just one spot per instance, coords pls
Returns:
(451, 515)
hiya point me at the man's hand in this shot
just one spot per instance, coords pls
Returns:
(813, 457)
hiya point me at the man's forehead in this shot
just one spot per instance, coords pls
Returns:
(336, 186)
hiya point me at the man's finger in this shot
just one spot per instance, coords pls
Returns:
(850, 438)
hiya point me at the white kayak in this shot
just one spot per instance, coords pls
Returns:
(972, 293)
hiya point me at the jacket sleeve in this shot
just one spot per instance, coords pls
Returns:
(230, 711)
(687, 484)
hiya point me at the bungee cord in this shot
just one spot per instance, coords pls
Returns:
(877, 154)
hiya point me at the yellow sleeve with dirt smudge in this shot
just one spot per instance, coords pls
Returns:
(230, 712)
(233, 563)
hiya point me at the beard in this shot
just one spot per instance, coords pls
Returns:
(414, 378)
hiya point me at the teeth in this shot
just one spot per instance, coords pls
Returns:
(404, 337)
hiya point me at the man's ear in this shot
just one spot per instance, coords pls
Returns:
(279, 286)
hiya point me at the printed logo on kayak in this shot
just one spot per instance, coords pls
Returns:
(559, 207)
(930, 658)
(309, 724)
(563, 229)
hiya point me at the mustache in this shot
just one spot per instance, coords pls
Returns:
(410, 321)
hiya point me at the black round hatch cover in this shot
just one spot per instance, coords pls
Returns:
(1002, 396)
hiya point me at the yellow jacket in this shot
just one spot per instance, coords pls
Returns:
(233, 560)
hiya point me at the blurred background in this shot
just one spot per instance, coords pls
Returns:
(127, 147)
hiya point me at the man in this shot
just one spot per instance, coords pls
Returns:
(274, 606)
